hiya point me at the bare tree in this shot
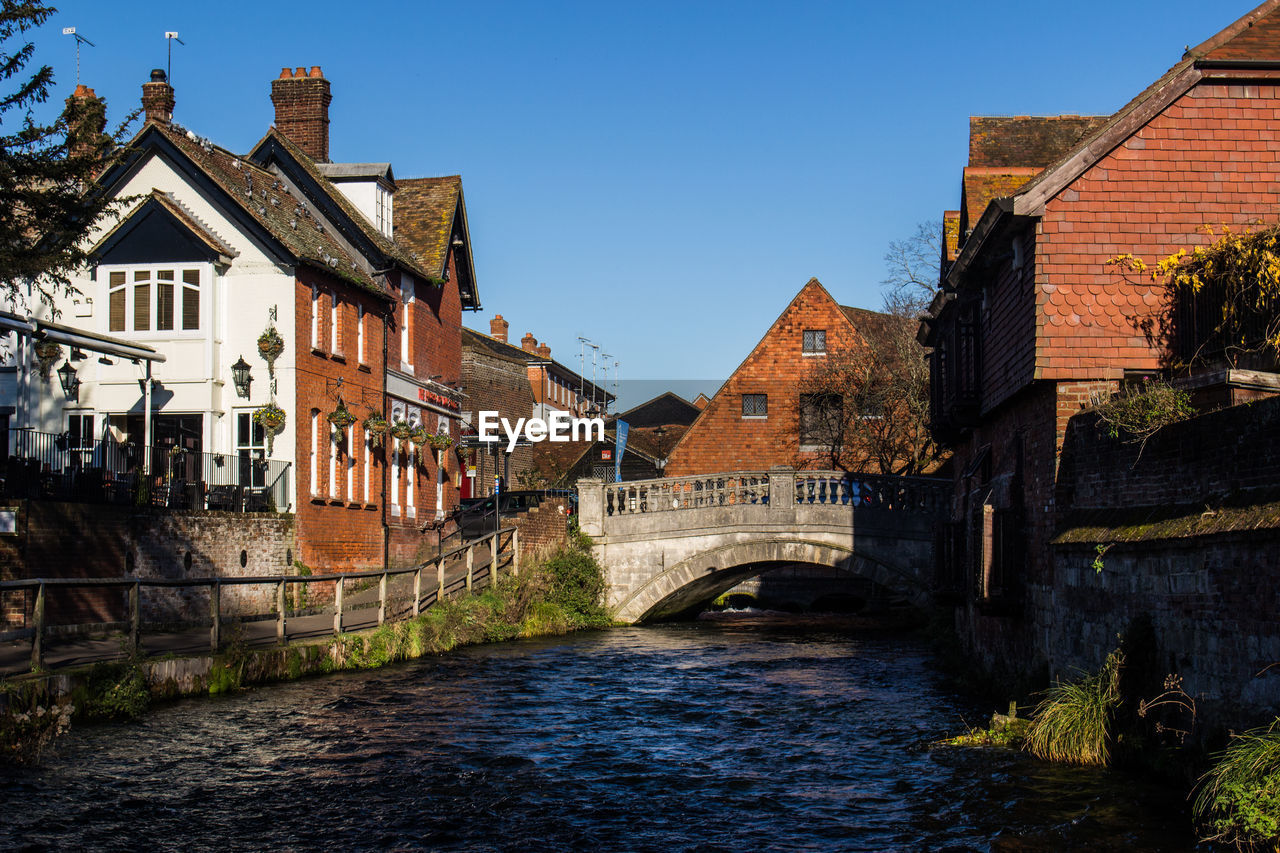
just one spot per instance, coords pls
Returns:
(866, 408)
(913, 270)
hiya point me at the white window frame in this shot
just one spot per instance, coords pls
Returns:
(315, 317)
(407, 298)
(333, 466)
(360, 334)
(367, 454)
(813, 352)
(203, 294)
(410, 486)
(335, 327)
(315, 453)
(349, 437)
(395, 477)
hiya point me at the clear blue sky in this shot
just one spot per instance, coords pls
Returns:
(660, 177)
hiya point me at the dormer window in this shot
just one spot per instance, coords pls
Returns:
(383, 218)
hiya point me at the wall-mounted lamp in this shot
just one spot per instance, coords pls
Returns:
(70, 381)
(240, 377)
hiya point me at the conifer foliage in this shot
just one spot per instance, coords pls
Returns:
(47, 203)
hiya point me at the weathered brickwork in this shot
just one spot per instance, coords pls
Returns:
(337, 527)
(116, 541)
(543, 528)
(722, 439)
(494, 383)
(302, 101)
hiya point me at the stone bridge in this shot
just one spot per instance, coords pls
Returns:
(669, 544)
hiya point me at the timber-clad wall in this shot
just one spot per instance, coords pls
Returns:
(71, 540)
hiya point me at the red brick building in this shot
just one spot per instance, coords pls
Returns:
(1032, 323)
(752, 422)
(517, 382)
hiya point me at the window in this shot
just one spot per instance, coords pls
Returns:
(360, 334)
(367, 453)
(335, 338)
(349, 438)
(315, 452)
(821, 421)
(815, 341)
(755, 405)
(411, 486)
(153, 299)
(315, 317)
(251, 447)
(406, 299)
(80, 438)
(395, 476)
(383, 210)
(333, 464)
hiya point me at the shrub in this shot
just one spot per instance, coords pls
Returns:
(1072, 723)
(577, 584)
(1239, 799)
(1137, 413)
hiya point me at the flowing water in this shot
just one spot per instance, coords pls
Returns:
(689, 737)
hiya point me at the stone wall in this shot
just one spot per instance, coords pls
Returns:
(67, 540)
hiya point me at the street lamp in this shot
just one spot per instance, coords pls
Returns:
(240, 377)
(70, 381)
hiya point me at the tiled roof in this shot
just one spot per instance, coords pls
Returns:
(1251, 37)
(198, 228)
(267, 200)
(950, 235)
(392, 250)
(1260, 40)
(664, 409)
(511, 352)
(876, 327)
(424, 211)
(1025, 140)
(982, 184)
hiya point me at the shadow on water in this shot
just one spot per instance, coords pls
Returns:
(681, 737)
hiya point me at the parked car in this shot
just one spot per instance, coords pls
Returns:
(476, 518)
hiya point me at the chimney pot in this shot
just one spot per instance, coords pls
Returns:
(157, 98)
(286, 73)
(529, 343)
(498, 328)
(302, 110)
(544, 351)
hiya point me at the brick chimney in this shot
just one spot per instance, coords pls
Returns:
(544, 351)
(498, 328)
(157, 98)
(529, 343)
(301, 100)
(86, 120)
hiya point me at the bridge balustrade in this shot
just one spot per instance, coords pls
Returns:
(824, 488)
(872, 491)
(645, 496)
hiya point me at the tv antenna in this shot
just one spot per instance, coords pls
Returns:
(71, 31)
(170, 38)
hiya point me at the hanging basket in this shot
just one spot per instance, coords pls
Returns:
(419, 436)
(270, 347)
(440, 441)
(341, 417)
(272, 420)
(47, 353)
(376, 425)
(401, 430)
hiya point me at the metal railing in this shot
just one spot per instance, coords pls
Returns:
(60, 467)
(433, 581)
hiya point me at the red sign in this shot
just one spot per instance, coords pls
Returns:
(606, 454)
(441, 400)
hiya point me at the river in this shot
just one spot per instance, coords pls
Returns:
(684, 737)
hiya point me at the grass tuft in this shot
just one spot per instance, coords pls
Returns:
(1238, 802)
(1072, 723)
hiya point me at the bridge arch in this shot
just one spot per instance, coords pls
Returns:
(709, 573)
